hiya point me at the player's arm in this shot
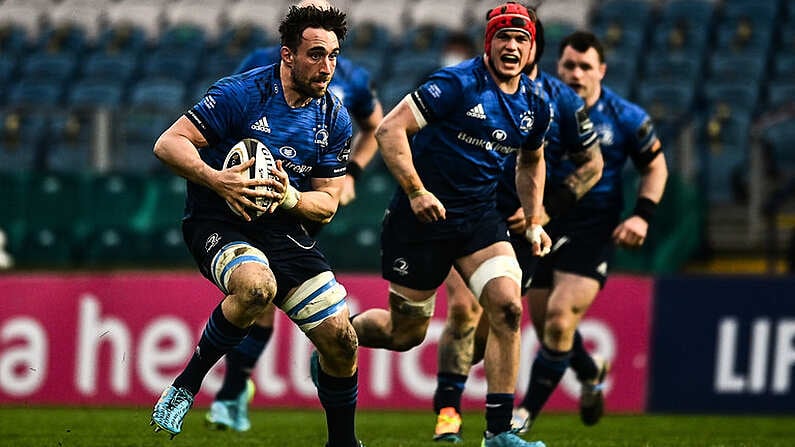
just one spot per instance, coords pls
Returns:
(178, 147)
(363, 149)
(393, 138)
(581, 143)
(653, 176)
(588, 172)
(318, 204)
(531, 173)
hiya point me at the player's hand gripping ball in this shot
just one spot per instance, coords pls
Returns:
(242, 152)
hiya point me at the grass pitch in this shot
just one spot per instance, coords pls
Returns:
(92, 427)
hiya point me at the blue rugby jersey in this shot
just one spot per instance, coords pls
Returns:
(625, 131)
(351, 83)
(472, 128)
(312, 141)
(570, 132)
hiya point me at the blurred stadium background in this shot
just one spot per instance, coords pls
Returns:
(86, 86)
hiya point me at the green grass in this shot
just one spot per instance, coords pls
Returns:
(67, 427)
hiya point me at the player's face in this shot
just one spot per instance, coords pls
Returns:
(510, 52)
(315, 61)
(582, 72)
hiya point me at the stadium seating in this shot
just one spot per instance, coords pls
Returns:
(780, 93)
(158, 93)
(111, 247)
(714, 65)
(35, 93)
(96, 93)
(139, 128)
(118, 65)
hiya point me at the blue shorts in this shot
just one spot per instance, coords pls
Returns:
(292, 255)
(418, 259)
(583, 246)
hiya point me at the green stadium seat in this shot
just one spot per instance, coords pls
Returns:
(13, 203)
(110, 247)
(114, 199)
(56, 199)
(166, 248)
(44, 246)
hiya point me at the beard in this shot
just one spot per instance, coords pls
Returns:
(304, 85)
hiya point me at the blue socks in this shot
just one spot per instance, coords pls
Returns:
(338, 396)
(547, 370)
(449, 388)
(219, 337)
(499, 407)
(581, 362)
(241, 360)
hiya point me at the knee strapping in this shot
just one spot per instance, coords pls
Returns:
(317, 299)
(416, 309)
(231, 256)
(492, 268)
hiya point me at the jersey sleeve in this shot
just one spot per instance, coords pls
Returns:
(577, 132)
(641, 136)
(334, 160)
(437, 97)
(362, 104)
(220, 112)
(542, 112)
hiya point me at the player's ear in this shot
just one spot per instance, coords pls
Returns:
(287, 55)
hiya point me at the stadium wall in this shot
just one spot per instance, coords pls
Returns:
(678, 345)
(119, 338)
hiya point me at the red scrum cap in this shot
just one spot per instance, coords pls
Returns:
(510, 16)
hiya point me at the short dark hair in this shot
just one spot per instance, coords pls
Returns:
(540, 41)
(291, 29)
(582, 41)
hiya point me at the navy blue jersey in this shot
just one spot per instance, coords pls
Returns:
(625, 131)
(570, 132)
(471, 127)
(312, 141)
(350, 83)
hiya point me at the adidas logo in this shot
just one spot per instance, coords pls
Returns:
(602, 269)
(261, 125)
(477, 112)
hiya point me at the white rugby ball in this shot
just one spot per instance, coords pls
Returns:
(242, 152)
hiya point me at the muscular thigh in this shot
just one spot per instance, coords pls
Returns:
(293, 258)
(572, 294)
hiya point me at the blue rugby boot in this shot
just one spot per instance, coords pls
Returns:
(508, 439)
(221, 415)
(242, 422)
(170, 410)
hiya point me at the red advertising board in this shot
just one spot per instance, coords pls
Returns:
(120, 338)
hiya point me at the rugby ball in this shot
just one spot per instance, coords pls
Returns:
(244, 151)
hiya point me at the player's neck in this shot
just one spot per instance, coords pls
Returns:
(591, 100)
(292, 96)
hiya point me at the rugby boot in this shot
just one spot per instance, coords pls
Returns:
(448, 426)
(170, 410)
(592, 401)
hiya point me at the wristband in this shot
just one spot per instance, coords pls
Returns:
(290, 198)
(419, 192)
(645, 209)
(559, 201)
(354, 170)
